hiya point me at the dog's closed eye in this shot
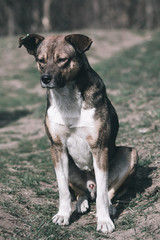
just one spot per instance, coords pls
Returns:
(62, 60)
(41, 60)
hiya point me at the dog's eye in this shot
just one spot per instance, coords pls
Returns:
(42, 61)
(62, 60)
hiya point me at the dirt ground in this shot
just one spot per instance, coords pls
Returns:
(105, 45)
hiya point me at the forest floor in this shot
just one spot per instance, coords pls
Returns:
(129, 64)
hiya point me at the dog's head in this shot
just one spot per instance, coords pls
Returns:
(59, 58)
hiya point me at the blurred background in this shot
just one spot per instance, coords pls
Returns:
(58, 15)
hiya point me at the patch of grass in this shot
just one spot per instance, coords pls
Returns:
(29, 146)
(127, 222)
(13, 96)
(29, 192)
(133, 68)
(18, 97)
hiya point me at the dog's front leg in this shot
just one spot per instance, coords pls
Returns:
(61, 169)
(104, 222)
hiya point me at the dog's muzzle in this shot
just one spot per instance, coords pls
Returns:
(46, 78)
(48, 81)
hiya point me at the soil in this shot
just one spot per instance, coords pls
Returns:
(105, 45)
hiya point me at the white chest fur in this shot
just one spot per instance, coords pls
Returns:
(72, 123)
(65, 106)
(71, 119)
(67, 109)
(80, 151)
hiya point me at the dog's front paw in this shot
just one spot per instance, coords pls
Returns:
(106, 226)
(82, 207)
(82, 204)
(60, 220)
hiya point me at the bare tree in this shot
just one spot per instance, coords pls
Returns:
(46, 22)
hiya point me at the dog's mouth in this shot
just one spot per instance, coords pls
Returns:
(48, 85)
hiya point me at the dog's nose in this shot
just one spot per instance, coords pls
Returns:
(46, 78)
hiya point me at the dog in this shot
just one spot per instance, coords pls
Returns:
(82, 126)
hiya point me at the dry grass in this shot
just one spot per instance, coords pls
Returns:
(29, 196)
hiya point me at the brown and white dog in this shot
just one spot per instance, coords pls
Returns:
(82, 126)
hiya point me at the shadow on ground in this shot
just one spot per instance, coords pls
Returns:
(7, 117)
(138, 184)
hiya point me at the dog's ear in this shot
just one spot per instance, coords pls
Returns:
(31, 42)
(80, 42)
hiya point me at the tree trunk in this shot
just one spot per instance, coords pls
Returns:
(46, 16)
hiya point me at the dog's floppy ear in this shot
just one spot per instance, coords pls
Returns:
(80, 42)
(31, 42)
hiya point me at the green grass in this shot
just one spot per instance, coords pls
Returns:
(133, 68)
(29, 190)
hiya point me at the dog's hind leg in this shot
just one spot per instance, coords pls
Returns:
(122, 167)
(82, 186)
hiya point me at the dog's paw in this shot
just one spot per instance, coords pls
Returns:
(60, 220)
(82, 205)
(105, 226)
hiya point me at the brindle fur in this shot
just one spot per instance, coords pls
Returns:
(62, 62)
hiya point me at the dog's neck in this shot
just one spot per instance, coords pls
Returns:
(66, 102)
(67, 108)
(85, 63)
(66, 97)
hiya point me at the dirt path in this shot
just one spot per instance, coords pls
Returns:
(21, 126)
(106, 44)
